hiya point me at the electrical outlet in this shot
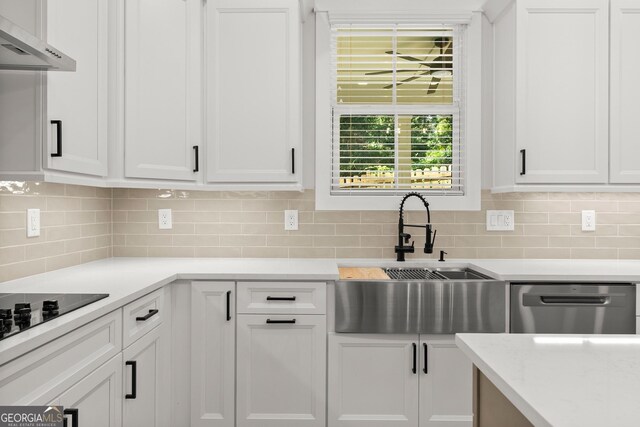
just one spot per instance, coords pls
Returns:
(500, 221)
(588, 220)
(291, 220)
(164, 219)
(33, 222)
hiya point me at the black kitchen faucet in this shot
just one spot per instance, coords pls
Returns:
(403, 238)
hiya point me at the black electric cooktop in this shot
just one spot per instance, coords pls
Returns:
(19, 312)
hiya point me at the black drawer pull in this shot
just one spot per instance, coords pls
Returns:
(228, 306)
(425, 369)
(281, 298)
(134, 379)
(523, 167)
(292, 321)
(73, 412)
(293, 161)
(58, 124)
(147, 316)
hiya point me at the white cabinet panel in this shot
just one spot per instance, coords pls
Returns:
(78, 100)
(562, 90)
(281, 371)
(97, 397)
(253, 67)
(212, 354)
(625, 91)
(144, 358)
(282, 297)
(445, 384)
(372, 381)
(162, 84)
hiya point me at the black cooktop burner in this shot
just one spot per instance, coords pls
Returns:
(19, 312)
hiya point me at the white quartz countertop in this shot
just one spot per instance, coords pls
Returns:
(563, 380)
(127, 279)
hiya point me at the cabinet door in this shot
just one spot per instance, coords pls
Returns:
(78, 100)
(97, 397)
(162, 101)
(144, 366)
(253, 90)
(562, 91)
(445, 384)
(212, 354)
(281, 370)
(372, 380)
(625, 91)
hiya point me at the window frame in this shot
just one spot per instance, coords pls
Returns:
(469, 115)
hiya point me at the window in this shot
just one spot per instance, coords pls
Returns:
(396, 110)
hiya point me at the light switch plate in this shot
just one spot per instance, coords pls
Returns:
(588, 220)
(33, 222)
(500, 220)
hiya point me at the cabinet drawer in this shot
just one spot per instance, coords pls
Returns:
(43, 374)
(282, 297)
(142, 315)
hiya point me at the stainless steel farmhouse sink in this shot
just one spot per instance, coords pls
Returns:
(421, 300)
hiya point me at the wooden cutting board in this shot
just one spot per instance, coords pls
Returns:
(361, 273)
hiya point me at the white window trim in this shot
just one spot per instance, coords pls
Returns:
(472, 126)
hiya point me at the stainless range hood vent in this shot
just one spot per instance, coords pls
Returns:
(21, 50)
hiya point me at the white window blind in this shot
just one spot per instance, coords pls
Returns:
(397, 109)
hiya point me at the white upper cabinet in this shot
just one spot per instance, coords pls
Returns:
(625, 91)
(76, 125)
(562, 91)
(551, 93)
(161, 89)
(253, 91)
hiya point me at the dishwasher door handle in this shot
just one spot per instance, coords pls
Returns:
(529, 300)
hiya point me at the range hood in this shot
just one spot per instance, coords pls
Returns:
(21, 50)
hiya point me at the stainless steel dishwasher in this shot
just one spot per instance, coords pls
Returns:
(573, 308)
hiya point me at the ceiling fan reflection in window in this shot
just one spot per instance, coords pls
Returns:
(441, 66)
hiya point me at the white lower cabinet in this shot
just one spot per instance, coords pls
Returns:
(398, 380)
(144, 368)
(212, 354)
(445, 384)
(281, 370)
(96, 400)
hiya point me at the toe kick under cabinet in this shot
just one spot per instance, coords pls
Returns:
(278, 333)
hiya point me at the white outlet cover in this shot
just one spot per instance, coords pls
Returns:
(291, 220)
(33, 222)
(500, 220)
(165, 221)
(588, 220)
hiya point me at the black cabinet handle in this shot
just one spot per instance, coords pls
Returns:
(134, 379)
(414, 369)
(523, 167)
(58, 124)
(293, 161)
(147, 316)
(425, 369)
(228, 306)
(73, 412)
(281, 298)
(292, 321)
(196, 150)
